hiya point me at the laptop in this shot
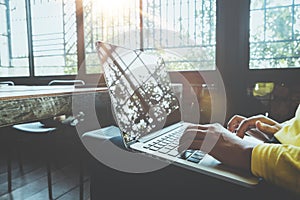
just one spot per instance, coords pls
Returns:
(148, 113)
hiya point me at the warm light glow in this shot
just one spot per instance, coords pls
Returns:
(111, 8)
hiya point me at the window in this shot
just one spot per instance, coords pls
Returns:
(182, 31)
(274, 34)
(116, 22)
(13, 39)
(53, 37)
(38, 38)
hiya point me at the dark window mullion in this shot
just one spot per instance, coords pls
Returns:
(160, 23)
(29, 37)
(195, 22)
(141, 26)
(202, 22)
(265, 19)
(8, 26)
(80, 36)
(293, 26)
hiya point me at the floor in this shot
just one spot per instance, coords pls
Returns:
(29, 180)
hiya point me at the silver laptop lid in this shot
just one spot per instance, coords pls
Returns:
(140, 90)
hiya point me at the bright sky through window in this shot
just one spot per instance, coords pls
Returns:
(186, 28)
(111, 7)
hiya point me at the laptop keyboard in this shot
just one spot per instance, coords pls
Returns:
(168, 144)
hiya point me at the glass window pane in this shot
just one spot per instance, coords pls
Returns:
(186, 29)
(275, 35)
(114, 21)
(257, 4)
(54, 37)
(279, 24)
(257, 25)
(297, 22)
(273, 3)
(175, 27)
(13, 44)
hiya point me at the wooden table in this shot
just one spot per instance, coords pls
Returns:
(20, 104)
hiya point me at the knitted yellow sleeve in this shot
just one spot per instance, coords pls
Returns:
(290, 132)
(278, 164)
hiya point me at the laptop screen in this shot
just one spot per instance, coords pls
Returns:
(140, 91)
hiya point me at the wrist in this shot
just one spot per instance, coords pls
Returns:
(247, 157)
(244, 156)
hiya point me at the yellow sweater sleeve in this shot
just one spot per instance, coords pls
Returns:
(290, 132)
(278, 164)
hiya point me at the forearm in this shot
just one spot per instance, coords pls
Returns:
(278, 164)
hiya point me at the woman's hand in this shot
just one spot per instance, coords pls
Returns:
(240, 125)
(219, 143)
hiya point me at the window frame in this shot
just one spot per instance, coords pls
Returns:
(35, 79)
(232, 32)
(285, 76)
